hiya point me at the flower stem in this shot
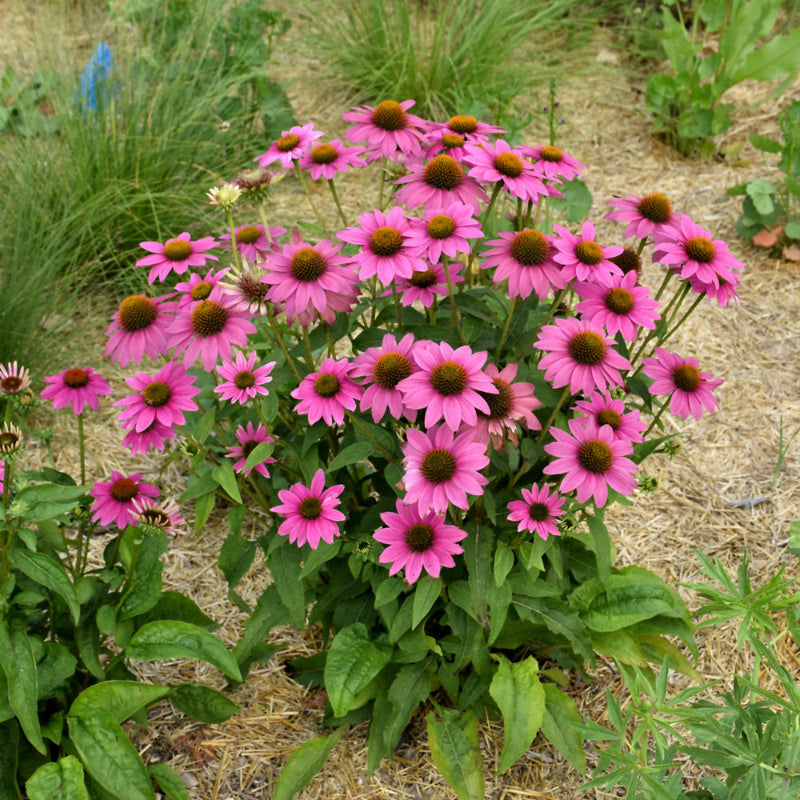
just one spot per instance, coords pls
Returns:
(474, 247)
(546, 427)
(309, 198)
(282, 344)
(234, 246)
(359, 424)
(335, 194)
(456, 316)
(657, 417)
(309, 354)
(506, 327)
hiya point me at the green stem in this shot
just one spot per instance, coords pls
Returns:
(456, 316)
(397, 308)
(263, 216)
(236, 259)
(550, 312)
(309, 354)
(82, 448)
(683, 319)
(369, 436)
(273, 323)
(546, 427)
(332, 187)
(657, 417)
(473, 251)
(506, 327)
(310, 200)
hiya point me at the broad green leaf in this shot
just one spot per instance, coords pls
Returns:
(48, 573)
(425, 595)
(770, 62)
(261, 452)
(50, 493)
(519, 694)
(792, 229)
(351, 454)
(9, 752)
(168, 781)
(602, 547)
(203, 703)
(235, 558)
(454, 749)
(62, 779)
(224, 475)
(87, 639)
(177, 606)
(353, 661)
(268, 613)
(143, 585)
(503, 562)
(173, 639)
(203, 507)
(304, 764)
(285, 564)
(388, 590)
(765, 144)
(122, 699)
(19, 665)
(558, 725)
(54, 668)
(108, 755)
(204, 425)
(762, 193)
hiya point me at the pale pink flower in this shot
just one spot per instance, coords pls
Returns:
(248, 438)
(290, 146)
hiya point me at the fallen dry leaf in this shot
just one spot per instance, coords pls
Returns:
(792, 252)
(767, 238)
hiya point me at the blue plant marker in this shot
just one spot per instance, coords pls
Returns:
(96, 79)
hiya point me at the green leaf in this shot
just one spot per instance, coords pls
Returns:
(792, 229)
(122, 699)
(260, 453)
(520, 697)
(54, 668)
(9, 753)
(108, 754)
(203, 507)
(168, 781)
(411, 686)
(778, 57)
(425, 595)
(63, 779)
(353, 661)
(177, 606)
(204, 425)
(203, 703)
(503, 562)
(268, 613)
(762, 193)
(224, 475)
(304, 764)
(48, 573)
(454, 749)
(172, 639)
(351, 454)
(19, 665)
(235, 558)
(765, 144)
(602, 547)
(285, 564)
(143, 586)
(560, 714)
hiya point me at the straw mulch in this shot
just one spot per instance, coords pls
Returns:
(715, 495)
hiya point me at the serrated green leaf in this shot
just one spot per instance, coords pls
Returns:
(18, 662)
(304, 764)
(351, 454)
(122, 699)
(425, 595)
(62, 779)
(203, 703)
(224, 475)
(455, 752)
(168, 781)
(48, 573)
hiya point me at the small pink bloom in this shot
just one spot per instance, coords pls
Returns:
(248, 439)
(538, 511)
(113, 500)
(443, 231)
(388, 129)
(551, 163)
(499, 163)
(325, 160)
(423, 286)
(438, 183)
(602, 409)
(176, 255)
(243, 380)
(582, 258)
(76, 386)
(252, 241)
(290, 146)
(154, 435)
(468, 128)
(645, 215)
(197, 287)
(164, 515)
(139, 328)
(327, 394)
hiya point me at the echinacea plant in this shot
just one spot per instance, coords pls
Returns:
(448, 399)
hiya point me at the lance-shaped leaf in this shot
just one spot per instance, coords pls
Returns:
(304, 764)
(19, 664)
(454, 748)
(122, 699)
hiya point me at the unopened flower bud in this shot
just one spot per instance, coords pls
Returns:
(10, 438)
(225, 196)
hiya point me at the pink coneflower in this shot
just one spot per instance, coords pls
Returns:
(76, 386)
(208, 328)
(290, 146)
(305, 277)
(582, 258)
(623, 306)
(600, 408)
(645, 215)
(243, 379)
(417, 541)
(248, 439)
(442, 468)
(681, 378)
(579, 355)
(448, 385)
(325, 160)
(164, 515)
(445, 231)
(384, 367)
(154, 435)
(162, 397)
(445, 141)
(512, 404)
(689, 249)
(13, 378)
(176, 255)
(499, 163)
(139, 328)
(438, 183)
(552, 163)
(245, 290)
(422, 287)
(113, 500)
(328, 393)
(724, 293)
(388, 129)
(385, 250)
(467, 127)
(525, 258)
(252, 241)
(197, 287)
(591, 460)
(310, 513)
(538, 511)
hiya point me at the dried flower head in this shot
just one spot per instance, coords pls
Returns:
(10, 438)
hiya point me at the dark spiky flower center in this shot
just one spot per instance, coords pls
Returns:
(589, 253)
(249, 234)
(609, 417)
(655, 207)
(248, 447)
(448, 378)
(76, 378)
(327, 385)
(136, 313)
(550, 153)
(10, 441)
(686, 378)
(452, 140)
(324, 154)
(200, 291)
(390, 369)
(157, 394)
(11, 384)
(390, 116)
(177, 250)
(209, 318)
(287, 142)
(700, 249)
(443, 172)
(619, 301)
(539, 512)
(508, 164)
(438, 466)
(423, 279)
(244, 379)
(253, 290)
(463, 124)
(500, 404)
(587, 348)
(386, 241)
(310, 508)
(595, 456)
(441, 226)
(155, 517)
(628, 261)
(530, 248)
(123, 490)
(419, 537)
(307, 264)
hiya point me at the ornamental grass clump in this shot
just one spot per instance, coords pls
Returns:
(425, 416)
